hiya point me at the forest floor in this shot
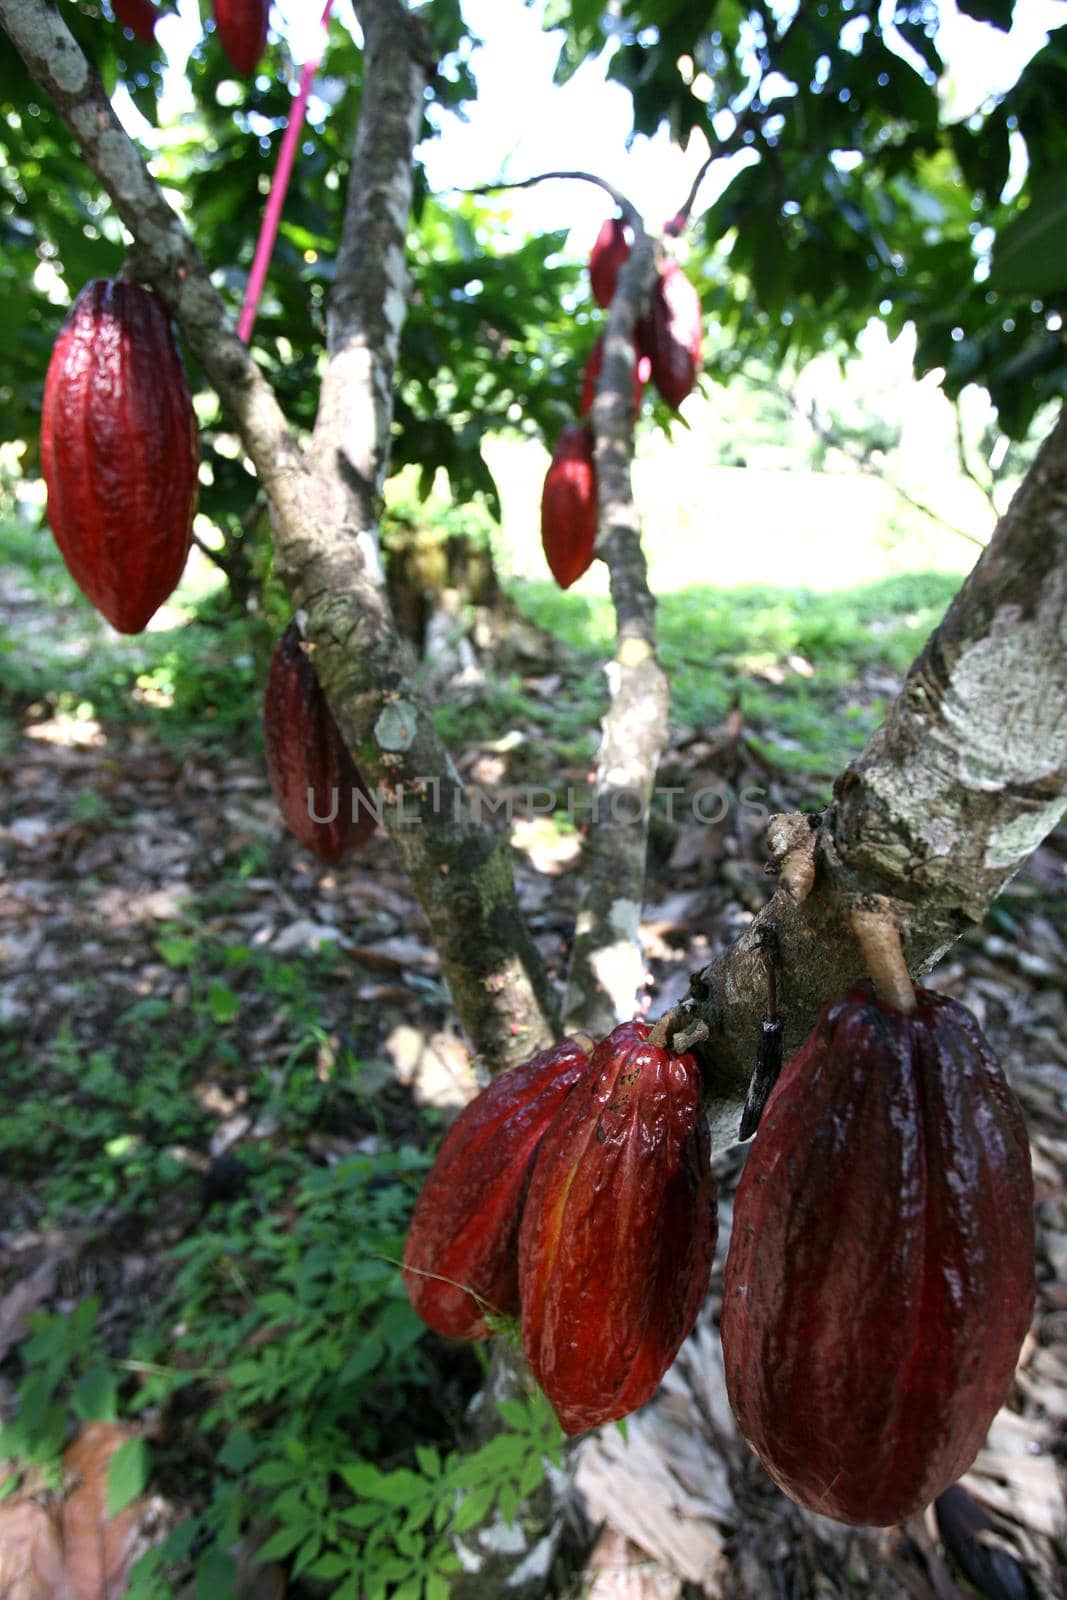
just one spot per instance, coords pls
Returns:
(222, 1066)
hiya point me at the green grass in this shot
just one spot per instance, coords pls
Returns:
(726, 647)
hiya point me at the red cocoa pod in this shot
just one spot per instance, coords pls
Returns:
(464, 1232)
(618, 1231)
(242, 29)
(119, 451)
(880, 1278)
(569, 506)
(593, 367)
(672, 333)
(305, 752)
(140, 16)
(608, 254)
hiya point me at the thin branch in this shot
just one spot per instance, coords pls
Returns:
(628, 209)
(965, 465)
(607, 962)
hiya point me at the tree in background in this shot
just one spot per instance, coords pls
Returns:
(395, 331)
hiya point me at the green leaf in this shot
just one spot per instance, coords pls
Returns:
(281, 1543)
(1030, 255)
(177, 951)
(429, 1461)
(474, 1508)
(95, 1397)
(240, 1451)
(366, 1359)
(127, 1474)
(215, 1572)
(223, 1003)
(515, 1414)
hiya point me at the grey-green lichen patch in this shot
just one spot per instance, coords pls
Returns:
(1014, 840)
(396, 727)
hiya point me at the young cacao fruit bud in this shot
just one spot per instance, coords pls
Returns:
(310, 771)
(880, 1278)
(593, 368)
(608, 254)
(140, 16)
(461, 1256)
(569, 506)
(618, 1231)
(119, 451)
(672, 333)
(242, 29)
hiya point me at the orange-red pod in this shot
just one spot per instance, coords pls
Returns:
(140, 16)
(671, 334)
(569, 506)
(317, 785)
(464, 1232)
(880, 1278)
(593, 368)
(119, 451)
(610, 250)
(242, 29)
(618, 1231)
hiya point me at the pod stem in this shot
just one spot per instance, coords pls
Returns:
(878, 937)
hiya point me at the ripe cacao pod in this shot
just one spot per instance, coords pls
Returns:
(119, 451)
(464, 1232)
(569, 506)
(307, 763)
(242, 29)
(618, 1231)
(608, 254)
(140, 16)
(671, 334)
(593, 367)
(880, 1277)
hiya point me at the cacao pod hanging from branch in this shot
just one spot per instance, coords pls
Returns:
(880, 1278)
(610, 250)
(119, 451)
(242, 29)
(671, 334)
(618, 1231)
(310, 770)
(569, 506)
(461, 1262)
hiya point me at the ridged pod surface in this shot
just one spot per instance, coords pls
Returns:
(618, 1231)
(305, 751)
(140, 16)
(880, 1278)
(242, 29)
(672, 333)
(465, 1227)
(592, 370)
(609, 251)
(569, 506)
(119, 451)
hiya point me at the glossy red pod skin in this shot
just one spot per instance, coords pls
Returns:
(464, 1231)
(242, 29)
(140, 16)
(672, 333)
(642, 367)
(618, 1231)
(119, 451)
(305, 751)
(569, 506)
(880, 1278)
(609, 251)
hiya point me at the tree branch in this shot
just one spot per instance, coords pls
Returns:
(627, 207)
(961, 783)
(607, 961)
(459, 870)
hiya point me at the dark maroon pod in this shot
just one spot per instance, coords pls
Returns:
(569, 505)
(242, 29)
(672, 333)
(880, 1278)
(119, 451)
(461, 1256)
(140, 16)
(305, 752)
(593, 368)
(609, 251)
(618, 1231)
